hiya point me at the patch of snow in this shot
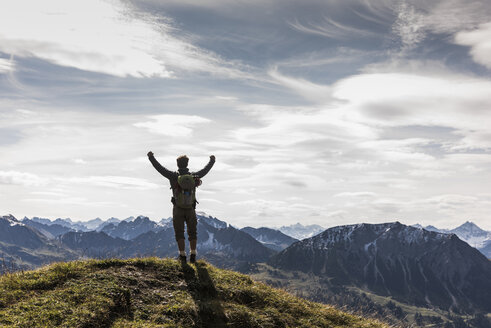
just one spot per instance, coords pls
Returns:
(210, 241)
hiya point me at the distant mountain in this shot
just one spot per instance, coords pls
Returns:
(17, 233)
(67, 223)
(486, 249)
(93, 224)
(470, 233)
(131, 229)
(211, 221)
(412, 265)
(129, 219)
(229, 247)
(433, 228)
(221, 244)
(299, 231)
(22, 246)
(111, 220)
(166, 222)
(273, 239)
(49, 230)
(93, 244)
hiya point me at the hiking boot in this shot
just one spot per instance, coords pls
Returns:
(192, 258)
(182, 258)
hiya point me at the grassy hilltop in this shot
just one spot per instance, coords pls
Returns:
(152, 292)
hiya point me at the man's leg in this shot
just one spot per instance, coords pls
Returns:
(178, 223)
(192, 233)
(182, 246)
(192, 246)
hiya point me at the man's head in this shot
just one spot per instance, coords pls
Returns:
(182, 161)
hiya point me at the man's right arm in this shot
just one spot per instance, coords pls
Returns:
(162, 170)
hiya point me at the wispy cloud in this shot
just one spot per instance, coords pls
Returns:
(357, 194)
(172, 125)
(479, 40)
(6, 65)
(102, 36)
(335, 129)
(330, 28)
(21, 178)
(309, 90)
(112, 182)
(410, 25)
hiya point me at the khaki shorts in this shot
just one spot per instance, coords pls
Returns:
(181, 215)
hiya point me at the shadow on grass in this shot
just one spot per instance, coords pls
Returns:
(205, 295)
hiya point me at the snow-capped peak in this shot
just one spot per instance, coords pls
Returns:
(214, 222)
(11, 220)
(472, 234)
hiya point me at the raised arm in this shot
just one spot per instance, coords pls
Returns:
(162, 170)
(201, 173)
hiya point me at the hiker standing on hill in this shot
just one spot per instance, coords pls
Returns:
(183, 184)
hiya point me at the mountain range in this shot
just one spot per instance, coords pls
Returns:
(470, 233)
(22, 246)
(220, 243)
(411, 265)
(300, 231)
(273, 239)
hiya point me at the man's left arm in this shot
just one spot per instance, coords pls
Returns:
(201, 173)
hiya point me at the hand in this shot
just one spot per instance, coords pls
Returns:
(212, 157)
(150, 154)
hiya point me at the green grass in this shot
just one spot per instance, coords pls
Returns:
(152, 292)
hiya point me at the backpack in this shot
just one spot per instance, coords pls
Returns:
(185, 192)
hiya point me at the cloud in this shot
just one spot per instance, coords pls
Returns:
(452, 16)
(101, 36)
(79, 161)
(112, 182)
(330, 28)
(6, 65)
(356, 194)
(21, 178)
(479, 40)
(82, 201)
(309, 90)
(401, 99)
(416, 21)
(172, 125)
(410, 25)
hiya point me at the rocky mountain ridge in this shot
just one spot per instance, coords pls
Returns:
(416, 266)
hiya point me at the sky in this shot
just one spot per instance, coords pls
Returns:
(324, 112)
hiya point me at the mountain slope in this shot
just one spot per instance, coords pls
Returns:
(220, 244)
(412, 265)
(93, 244)
(273, 239)
(152, 292)
(470, 233)
(131, 229)
(22, 246)
(486, 250)
(49, 230)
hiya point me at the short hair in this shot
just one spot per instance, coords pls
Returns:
(182, 161)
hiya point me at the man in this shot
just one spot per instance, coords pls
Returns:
(183, 184)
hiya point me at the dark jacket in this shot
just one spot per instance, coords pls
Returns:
(172, 176)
